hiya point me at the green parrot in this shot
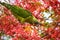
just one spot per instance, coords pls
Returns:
(21, 14)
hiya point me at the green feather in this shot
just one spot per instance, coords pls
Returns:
(21, 14)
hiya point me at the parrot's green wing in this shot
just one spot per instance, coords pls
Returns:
(17, 10)
(20, 13)
(20, 19)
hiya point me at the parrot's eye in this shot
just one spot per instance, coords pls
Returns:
(58, 23)
(37, 22)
